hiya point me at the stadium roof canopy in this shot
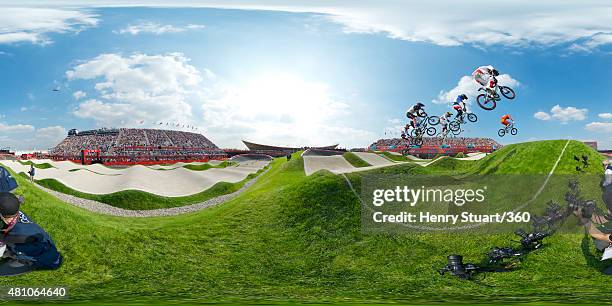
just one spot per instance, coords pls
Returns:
(261, 147)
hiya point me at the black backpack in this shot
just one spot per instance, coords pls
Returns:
(7, 181)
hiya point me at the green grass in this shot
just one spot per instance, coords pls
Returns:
(141, 200)
(354, 160)
(207, 166)
(38, 166)
(292, 238)
(393, 157)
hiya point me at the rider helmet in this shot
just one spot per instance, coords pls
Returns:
(495, 72)
(463, 97)
(419, 104)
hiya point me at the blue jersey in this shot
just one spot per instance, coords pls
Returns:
(458, 100)
(29, 242)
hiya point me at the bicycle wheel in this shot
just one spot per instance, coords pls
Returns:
(457, 132)
(431, 131)
(501, 132)
(514, 131)
(433, 120)
(454, 126)
(418, 141)
(507, 92)
(486, 103)
(413, 133)
(472, 117)
(421, 113)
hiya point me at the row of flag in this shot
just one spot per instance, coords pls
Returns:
(173, 124)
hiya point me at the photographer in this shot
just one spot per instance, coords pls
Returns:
(600, 227)
(607, 184)
(24, 245)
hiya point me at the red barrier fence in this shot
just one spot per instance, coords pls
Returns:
(130, 161)
(433, 151)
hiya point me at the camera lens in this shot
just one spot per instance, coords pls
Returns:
(454, 260)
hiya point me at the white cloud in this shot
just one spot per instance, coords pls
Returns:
(542, 116)
(393, 128)
(78, 95)
(139, 87)
(605, 116)
(6, 128)
(587, 24)
(157, 29)
(604, 127)
(468, 86)
(591, 43)
(23, 109)
(277, 108)
(29, 138)
(32, 25)
(568, 113)
(281, 109)
(51, 135)
(563, 114)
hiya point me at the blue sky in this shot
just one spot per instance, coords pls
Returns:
(306, 74)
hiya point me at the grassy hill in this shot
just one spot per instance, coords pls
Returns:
(394, 157)
(141, 200)
(355, 160)
(37, 166)
(292, 238)
(203, 167)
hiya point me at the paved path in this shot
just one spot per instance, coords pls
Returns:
(373, 159)
(339, 165)
(175, 182)
(103, 208)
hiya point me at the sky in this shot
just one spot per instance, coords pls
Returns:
(300, 74)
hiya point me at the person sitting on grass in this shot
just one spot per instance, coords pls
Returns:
(600, 227)
(24, 245)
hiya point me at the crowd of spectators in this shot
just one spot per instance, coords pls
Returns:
(439, 142)
(138, 144)
(188, 139)
(158, 137)
(6, 154)
(72, 145)
(132, 138)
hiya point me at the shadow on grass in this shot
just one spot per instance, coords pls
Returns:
(592, 259)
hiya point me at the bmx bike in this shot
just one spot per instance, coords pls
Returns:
(455, 125)
(488, 100)
(508, 129)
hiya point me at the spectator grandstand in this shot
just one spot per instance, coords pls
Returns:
(6, 153)
(272, 150)
(437, 146)
(130, 146)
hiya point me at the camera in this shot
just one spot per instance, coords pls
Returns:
(456, 267)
